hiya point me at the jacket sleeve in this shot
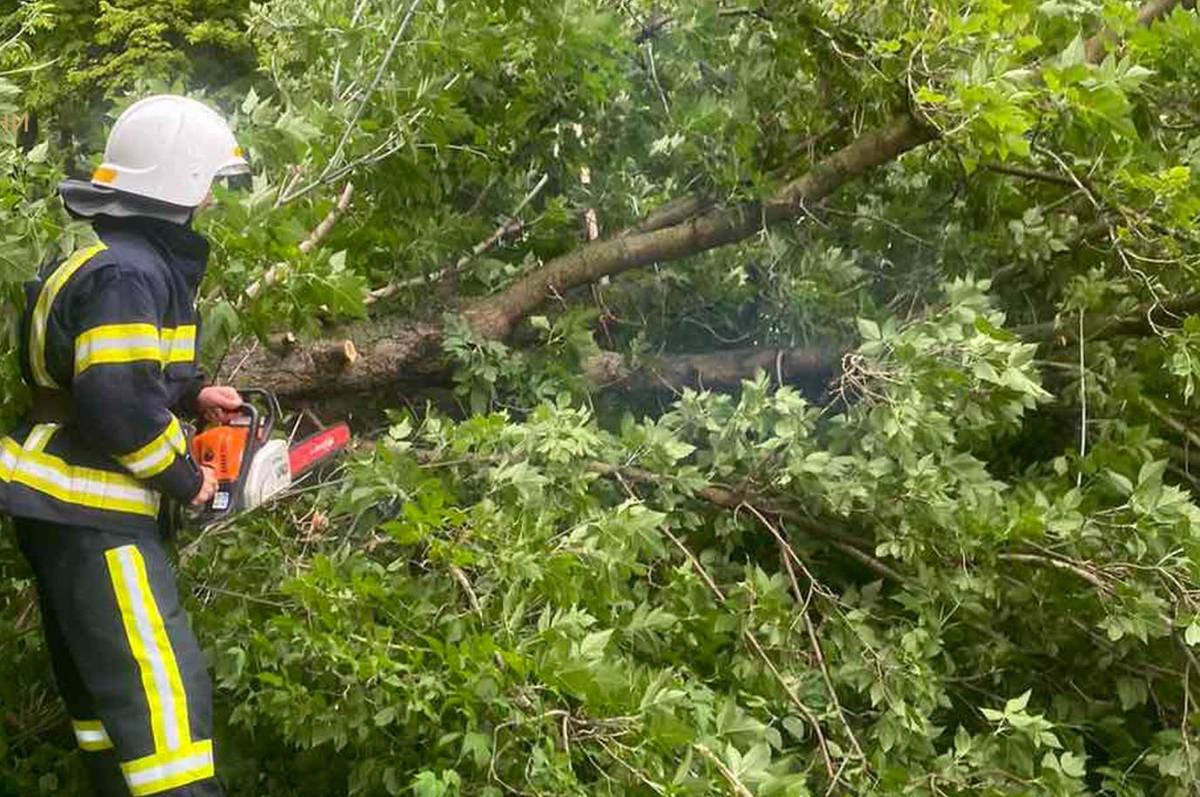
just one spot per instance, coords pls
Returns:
(118, 389)
(189, 401)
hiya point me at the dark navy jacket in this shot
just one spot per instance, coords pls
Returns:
(113, 330)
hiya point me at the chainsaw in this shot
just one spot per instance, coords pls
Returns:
(252, 466)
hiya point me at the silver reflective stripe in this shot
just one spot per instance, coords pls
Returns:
(45, 303)
(151, 461)
(93, 737)
(164, 771)
(157, 455)
(90, 348)
(138, 602)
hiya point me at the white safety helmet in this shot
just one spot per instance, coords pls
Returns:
(171, 149)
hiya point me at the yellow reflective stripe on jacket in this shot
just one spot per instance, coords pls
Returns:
(86, 487)
(157, 455)
(115, 344)
(158, 773)
(41, 311)
(179, 344)
(39, 437)
(152, 652)
(91, 735)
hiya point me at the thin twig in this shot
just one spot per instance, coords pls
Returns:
(654, 76)
(366, 98)
(757, 647)
(271, 275)
(511, 226)
(730, 776)
(317, 235)
(1059, 564)
(465, 582)
(1031, 174)
(1082, 401)
(789, 555)
(637, 773)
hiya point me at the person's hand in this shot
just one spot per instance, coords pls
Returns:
(216, 402)
(208, 489)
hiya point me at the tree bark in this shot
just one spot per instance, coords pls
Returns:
(674, 212)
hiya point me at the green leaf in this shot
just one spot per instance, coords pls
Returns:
(39, 152)
(796, 727)
(1076, 52)
(250, 102)
(593, 644)
(1017, 704)
(992, 715)
(962, 742)
(1174, 765)
(477, 747)
(1132, 692)
(868, 329)
(1121, 482)
(297, 127)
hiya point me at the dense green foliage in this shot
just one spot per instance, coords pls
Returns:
(970, 566)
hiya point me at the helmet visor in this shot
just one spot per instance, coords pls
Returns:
(235, 176)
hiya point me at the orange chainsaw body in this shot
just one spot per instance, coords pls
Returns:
(222, 449)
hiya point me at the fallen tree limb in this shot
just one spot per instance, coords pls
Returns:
(1142, 321)
(720, 369)
(496, 315)
(388, 352)
(392, 350)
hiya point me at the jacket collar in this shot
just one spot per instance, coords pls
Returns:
(182, 247)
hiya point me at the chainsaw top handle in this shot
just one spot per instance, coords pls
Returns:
(254, 400)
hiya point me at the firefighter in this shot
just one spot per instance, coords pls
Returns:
(108, 349)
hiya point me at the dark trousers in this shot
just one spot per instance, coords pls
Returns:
(125, 659)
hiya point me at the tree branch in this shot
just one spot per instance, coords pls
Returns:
(1030, 174)
(671, 213)
(1148, 14)
(720, 369)
(391, 351)
(511, 226)
(1103, 325)
(496, 315)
